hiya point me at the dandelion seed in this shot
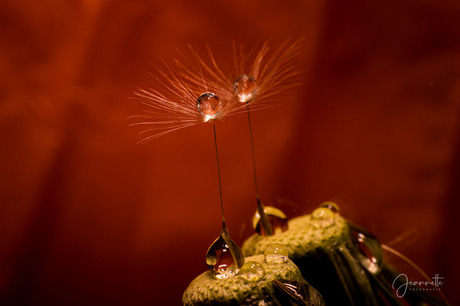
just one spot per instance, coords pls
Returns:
(272, 72)
(224, 256)
(256, 78)
(190, 94)
(186, 97)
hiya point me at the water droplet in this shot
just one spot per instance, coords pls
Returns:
(224, 260)
(331, 205)
(276, 254)
(245, 88)
(322, 217)
(252, 271)
(224, 256)
(209, 105)
(369, 249)
(225, 273)
(277, 219)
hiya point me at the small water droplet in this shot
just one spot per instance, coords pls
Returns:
(322, 217)
(252, 271)
(245, 88)
(226, 273)
(276, 254)
(331, 205)
(209, 105)
(277, 219)
(369, 249)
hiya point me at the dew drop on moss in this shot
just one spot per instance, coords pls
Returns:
(276, 254)
(252, 271)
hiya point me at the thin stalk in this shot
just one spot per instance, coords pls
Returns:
(220, 181)
(260, 208)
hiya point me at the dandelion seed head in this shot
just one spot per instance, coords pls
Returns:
(194, 88)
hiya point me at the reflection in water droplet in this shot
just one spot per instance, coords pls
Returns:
(277, 219)
(370, 251)
(224, 263)
(224, 259)
(244, 87)
(252, 271)
(209, 105)
(322, 217)
(276, 254)
(331, 205)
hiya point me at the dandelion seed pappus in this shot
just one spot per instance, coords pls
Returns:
(174, 100)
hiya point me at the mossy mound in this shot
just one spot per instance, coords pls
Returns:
(303, 237)
(206, 289)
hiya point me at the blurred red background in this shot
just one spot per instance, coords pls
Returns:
(88, 217)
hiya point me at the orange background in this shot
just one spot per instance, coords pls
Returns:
(88, 217)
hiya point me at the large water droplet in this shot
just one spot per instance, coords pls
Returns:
(222, 260)
(224, 256)
(276, 254)
(245, 88)
(277, 219)
(369, 249)
(209, 105)
(252, 271)
(322, 217)
(331, 205)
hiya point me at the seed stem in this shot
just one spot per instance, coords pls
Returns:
(218, 174)
(260, 208)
